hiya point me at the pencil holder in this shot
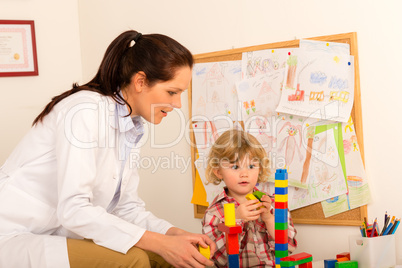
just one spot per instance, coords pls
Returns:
(373, 252)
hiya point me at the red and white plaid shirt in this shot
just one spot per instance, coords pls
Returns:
(256, 245)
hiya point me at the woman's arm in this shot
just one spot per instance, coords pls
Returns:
(178, 247)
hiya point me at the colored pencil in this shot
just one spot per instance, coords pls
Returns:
(396, 226)
(385, 225)
(389, 227)
(385, 217)
(393, 227)
(373, 228)
(364, 230)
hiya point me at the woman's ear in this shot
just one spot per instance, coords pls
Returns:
(140, 80)
(217, 172)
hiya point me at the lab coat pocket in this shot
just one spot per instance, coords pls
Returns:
(21, 212)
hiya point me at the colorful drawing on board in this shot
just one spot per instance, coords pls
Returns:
(286, 139)
(328, 81)
(255, 63)
(259, 96)
(211, 189)
(291, 143)
(206, 133)
(358, 188)
(213, 89)
(326, 178)
(326, 47)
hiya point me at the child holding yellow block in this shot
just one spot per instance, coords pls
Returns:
(240, 161)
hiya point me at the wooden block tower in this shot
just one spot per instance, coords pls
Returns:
(281, 216)
(232, 232)
(302, 260)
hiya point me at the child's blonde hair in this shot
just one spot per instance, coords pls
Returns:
(233, 145)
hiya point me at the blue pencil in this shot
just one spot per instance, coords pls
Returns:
(396, 226)
(388, 228)
(385, 225)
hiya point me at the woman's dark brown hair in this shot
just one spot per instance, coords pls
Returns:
(157, 55)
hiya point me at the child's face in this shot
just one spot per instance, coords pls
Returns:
(240, 177)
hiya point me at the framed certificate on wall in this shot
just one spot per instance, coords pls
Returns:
(18, 48)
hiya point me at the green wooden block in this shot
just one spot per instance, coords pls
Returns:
(346, 264)
(281, 253)
(258, 194)
(281, 225)
(287, 264)
(293, 263)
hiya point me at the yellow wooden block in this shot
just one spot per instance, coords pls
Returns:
(281, 183)
(251, 197)
(206, 252)
(229, 212)
(281, 198)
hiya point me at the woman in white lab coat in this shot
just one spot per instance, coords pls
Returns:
(68, 192)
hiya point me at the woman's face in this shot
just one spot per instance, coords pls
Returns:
(154, 103)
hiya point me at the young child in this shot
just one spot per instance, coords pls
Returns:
(239, 160)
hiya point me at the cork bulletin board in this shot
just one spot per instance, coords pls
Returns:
(312, 214)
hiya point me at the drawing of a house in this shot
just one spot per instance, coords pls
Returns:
(265, 99)
(215, 88)
(201, 106)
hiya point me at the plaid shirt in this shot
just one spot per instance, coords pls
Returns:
(256, 245)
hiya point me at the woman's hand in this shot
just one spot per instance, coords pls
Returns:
(248, 211)
(180, 248)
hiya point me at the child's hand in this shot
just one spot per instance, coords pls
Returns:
(266, 214)
(248, 210)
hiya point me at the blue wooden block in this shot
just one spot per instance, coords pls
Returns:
(281, 247)
(281, 190)
(233, 261)
(330, 263)
(281, 174)
(281, 215)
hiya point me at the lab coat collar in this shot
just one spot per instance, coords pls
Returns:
(125, 123)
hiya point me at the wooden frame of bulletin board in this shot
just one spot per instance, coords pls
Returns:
(312, 214)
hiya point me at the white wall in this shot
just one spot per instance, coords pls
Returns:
(205, 26)
(59, 64)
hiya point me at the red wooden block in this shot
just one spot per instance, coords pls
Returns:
(281, 236)
(306, 265)
(229, 229)
(299, 256)
(343, 255)
(232, 243)
(341, 259)
(281, 205)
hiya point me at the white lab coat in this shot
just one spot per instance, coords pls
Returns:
(60, 180)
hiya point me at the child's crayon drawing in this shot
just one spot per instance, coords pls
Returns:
(259, 96)
(318, 85)
(358, 188)
(326, 177)
(286, 139)
(265, 61)
(213, 89)
(327, 47)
